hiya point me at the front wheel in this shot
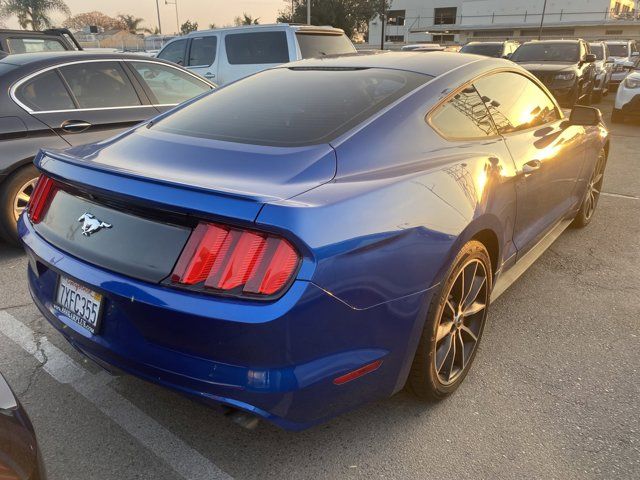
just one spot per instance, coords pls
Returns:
(15, 193)
(454, 325)
(592, 195)
(617, 116)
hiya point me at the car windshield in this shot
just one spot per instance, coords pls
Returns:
(618, 50)
(487, 49)
(598, 51)
(320, 45)
(292, 106)
(547, 52)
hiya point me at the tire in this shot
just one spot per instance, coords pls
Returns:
(437, 372)
(592, 195)
(617, 116)
(14, 193)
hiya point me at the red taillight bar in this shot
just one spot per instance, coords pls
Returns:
(41, 198)
(372, 367)
(225, 259)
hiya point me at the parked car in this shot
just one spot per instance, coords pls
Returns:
(623, 52)
(604, 69)
(20, 457)
(491, 49)
(31, 41)
(224, 55)
(628, 95)
(566, 67)
(54, 100)
(423, 47)
(333, 228)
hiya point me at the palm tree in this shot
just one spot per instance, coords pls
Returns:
(132, 24)
(246, 20)
(33, 14)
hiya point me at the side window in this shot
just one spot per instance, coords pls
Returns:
(515, 102)
(203, 51)
(45, 92)
(100, 85)
(463, 116)
(169, 85)
(256, 48)
(174, 52)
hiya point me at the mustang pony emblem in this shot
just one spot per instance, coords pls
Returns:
(90, 224)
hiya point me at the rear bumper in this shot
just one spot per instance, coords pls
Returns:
(275, 360)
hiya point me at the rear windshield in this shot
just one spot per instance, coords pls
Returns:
(314, 45)
(598, 51)
(35, 45)
(547, 52)
(618, 50)
(487, 49)
(292, 107)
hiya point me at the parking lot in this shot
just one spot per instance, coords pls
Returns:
(554, 392)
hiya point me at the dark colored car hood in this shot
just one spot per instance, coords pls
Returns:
(257, 173)
(547, 66)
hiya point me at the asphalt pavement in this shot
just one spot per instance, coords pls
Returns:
(554, 392)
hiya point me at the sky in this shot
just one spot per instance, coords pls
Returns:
(220, 12)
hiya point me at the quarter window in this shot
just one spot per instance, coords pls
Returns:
(515, 102)
(203, 51)
(100, 85)
(463, 116)
(257, 48)
(174, 52)
(169, 85)
(45, 92)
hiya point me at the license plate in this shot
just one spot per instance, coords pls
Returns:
(79, 303)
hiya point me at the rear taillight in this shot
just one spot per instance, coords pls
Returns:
(235, 261)
(41, 198)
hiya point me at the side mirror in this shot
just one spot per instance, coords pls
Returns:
(585, 116)
(590, 58)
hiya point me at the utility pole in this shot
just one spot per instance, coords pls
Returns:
(308, 12)
(158, 10)
(383, 18)
(175, 2)
(544, 9)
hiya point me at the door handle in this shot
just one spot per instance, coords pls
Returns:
(531, 166)
(209, 75)
(74, 126)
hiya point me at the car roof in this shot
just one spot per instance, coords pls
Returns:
(43, 59)
(268, 26)
(484, 43)
(618, 42)
(434, 64)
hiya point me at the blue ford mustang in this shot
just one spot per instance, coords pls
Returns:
(315, 236)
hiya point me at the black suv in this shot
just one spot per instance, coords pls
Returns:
(566, 67)
(30, 41)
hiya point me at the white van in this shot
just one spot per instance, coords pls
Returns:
(226, 54)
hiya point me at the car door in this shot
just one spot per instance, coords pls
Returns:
(589, 68)
(202, 58)
(245, 53)
(167, 85)
(548, 155)
(87, 101)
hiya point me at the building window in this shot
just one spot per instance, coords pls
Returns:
(493, 33)
(395, 38)
(443, 38)
(613, 32)
(445, 15)
(396, 17)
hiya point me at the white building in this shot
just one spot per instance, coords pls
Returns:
(459, 21)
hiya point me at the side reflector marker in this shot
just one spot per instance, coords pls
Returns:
(372, 367)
